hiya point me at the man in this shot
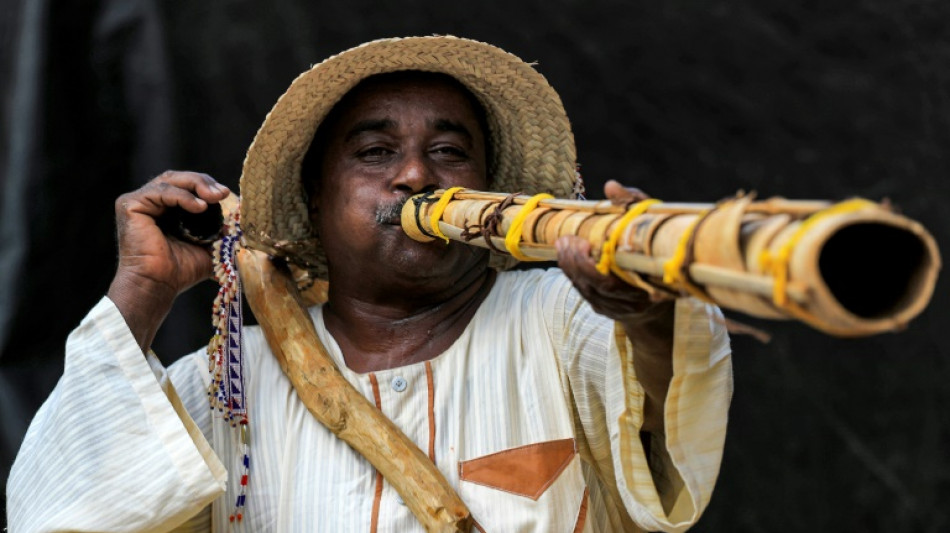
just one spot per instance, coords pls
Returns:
(550, 403)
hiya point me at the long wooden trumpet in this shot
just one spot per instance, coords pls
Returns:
(849, 269)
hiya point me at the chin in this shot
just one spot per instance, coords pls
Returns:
(435, 259)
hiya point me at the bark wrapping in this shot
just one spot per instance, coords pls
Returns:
(852, 272)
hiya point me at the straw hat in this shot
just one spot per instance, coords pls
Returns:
(533, 147)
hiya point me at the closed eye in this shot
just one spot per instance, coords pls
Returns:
(374, 153)
(451, 152)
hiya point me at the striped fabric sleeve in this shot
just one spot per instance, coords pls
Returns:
(665, 486)
(113, 448)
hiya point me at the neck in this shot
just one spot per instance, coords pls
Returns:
(389, 329)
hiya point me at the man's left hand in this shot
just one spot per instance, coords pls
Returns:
(607, 294)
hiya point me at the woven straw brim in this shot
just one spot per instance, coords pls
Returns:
(532, 143)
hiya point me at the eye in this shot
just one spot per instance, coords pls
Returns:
(373, 153)
(450, 152)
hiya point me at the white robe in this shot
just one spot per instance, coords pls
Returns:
(535, 420)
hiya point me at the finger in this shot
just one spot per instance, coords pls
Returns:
(572, 253)
(202, 185)
(575, 253)
(163, 196)
(607, 294)
(620, 195)
(574, 258)
(155, 198)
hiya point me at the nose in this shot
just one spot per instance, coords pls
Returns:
(414, 176)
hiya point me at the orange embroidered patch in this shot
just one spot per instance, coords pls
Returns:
(526, 470)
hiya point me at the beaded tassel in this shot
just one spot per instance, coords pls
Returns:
(226, 392)
(578, 190)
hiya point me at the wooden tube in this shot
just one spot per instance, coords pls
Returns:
(286, 324)
(851, 271)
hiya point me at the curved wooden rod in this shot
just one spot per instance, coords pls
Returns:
(273, 296)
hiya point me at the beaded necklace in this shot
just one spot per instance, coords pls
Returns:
(226, 392)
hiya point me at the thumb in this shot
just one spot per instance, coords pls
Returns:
(620, 195)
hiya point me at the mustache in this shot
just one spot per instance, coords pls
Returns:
(390, 213)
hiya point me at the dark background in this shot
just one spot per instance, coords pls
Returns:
(688, 100)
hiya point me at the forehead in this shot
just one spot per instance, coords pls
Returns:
(419, 92)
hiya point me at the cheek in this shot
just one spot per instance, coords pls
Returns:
(348, 213)
(472, 180)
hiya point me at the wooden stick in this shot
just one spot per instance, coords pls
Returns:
(653, 266)
(332, 400)
(769, 206)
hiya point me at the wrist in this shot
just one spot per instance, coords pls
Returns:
(142, 302)
(650, 316)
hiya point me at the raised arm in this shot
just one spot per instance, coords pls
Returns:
(115, 429)
(648, 324)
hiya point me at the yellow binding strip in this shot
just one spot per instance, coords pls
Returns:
(435, 214)
(778, 264)
(608, 253)
(673, 268)
(513, 237)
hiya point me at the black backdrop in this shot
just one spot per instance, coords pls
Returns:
(688, 100)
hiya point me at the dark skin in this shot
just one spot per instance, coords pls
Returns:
(393, 301)
(154, 269)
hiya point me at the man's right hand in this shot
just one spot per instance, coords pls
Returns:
(154, 268)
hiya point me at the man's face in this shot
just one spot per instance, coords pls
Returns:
(392, 139)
